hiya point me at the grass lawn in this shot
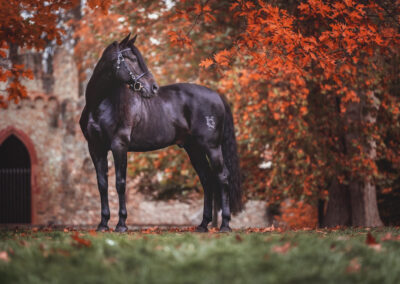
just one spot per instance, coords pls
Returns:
(322, 256)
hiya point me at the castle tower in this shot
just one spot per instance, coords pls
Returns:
(40, 142)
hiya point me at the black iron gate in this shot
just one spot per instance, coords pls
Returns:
(15, 195)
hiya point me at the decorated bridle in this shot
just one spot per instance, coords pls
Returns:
(135, 85)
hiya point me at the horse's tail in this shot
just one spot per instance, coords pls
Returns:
(231, 159)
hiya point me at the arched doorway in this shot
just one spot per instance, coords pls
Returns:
(15, 180)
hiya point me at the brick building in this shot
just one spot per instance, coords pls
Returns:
(42, 133)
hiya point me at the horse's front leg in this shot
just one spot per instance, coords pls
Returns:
(99, 159)
(120, 161)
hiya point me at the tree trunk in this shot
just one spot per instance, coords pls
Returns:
(321, 212)
(364, 207)
(338, 212)
(355, 204)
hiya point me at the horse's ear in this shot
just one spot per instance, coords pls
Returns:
(125, 40)
(132, 41)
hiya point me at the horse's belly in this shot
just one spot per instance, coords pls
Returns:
(153, 140)
(145, 148)
(148, 145)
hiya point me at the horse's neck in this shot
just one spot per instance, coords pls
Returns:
(99, 87)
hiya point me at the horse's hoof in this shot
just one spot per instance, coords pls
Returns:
(201, 229)
(102, 228)
(225, 229)
(121, 229)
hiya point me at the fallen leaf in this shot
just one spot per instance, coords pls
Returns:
(11, 251)
(354, 266)
(4, 256)
(239, 238)
(111, 260)
(44, 250)
(213, 230)
(283, 249)
(372, 243)
(42, 246)
(48, 229)
(81, 241)
(370, 239)
(61, 252)
(343, 238)
(377, 247)
(387, 237)
(263, 230)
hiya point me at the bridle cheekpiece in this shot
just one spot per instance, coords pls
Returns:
(135, 84)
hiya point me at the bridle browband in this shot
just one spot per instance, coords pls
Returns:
(135, 85)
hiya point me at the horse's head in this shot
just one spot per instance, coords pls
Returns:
(129, 67)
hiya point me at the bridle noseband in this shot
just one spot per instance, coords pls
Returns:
(136, 85)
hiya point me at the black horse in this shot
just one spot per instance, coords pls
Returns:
(126, 111)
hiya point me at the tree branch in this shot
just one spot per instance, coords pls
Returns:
(196, 19)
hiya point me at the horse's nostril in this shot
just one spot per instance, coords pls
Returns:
(155, 88)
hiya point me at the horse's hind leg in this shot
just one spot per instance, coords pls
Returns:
(99, 159)
(222, 173)
(200, 164)
(120, 161)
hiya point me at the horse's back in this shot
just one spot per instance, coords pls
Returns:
(189, 90)
(195, 96)
(202, 107)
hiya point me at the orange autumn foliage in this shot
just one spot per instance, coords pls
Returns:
(297, 72)
(25, 24)
(298, 215)
(30, 24)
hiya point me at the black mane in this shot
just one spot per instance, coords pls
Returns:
(139, 56)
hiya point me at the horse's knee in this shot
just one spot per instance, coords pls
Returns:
(216, 159)
(121, 184)
(218, 166)
(224, 177)
(103, 184)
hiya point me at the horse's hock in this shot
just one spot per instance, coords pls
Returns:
(46, 175)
